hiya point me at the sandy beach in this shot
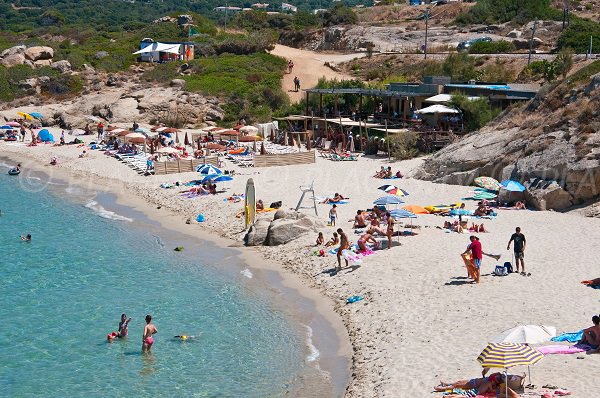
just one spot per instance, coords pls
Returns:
(420, 321)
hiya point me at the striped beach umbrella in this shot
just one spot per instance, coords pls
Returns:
(507, 355)
(393, 190)
(388, 200)
(208, 169)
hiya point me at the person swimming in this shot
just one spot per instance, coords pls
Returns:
(26, 238)
(184, 337)
(123, 326)
(149, 330)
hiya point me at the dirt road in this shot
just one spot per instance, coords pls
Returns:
(309, 67)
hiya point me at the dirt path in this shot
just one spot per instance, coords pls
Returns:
(309, 66)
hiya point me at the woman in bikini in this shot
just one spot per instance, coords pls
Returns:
(390, 229)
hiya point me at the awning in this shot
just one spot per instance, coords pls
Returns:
(160, 47)
(443, 98)
(433, 109)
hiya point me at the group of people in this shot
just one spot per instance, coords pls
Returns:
(387, 173)
(123, 331)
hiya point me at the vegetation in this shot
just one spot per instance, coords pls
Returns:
(550, 70)
(339, 15)
(577, 35)
(476, 114)
(55, 85)
(500, 11)
(250, 83)
(493, 47)
(585, 73)
(404, 146)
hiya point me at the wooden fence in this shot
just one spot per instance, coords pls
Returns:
(284, 159)
(182, 166)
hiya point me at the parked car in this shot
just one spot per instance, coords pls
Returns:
(464, 45)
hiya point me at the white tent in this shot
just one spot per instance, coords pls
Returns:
(160, 47)
(444, 98)
(435, 109)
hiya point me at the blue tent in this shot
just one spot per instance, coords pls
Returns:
(45, 136)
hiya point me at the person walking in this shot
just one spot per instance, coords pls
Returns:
(519, 249)
(332, 215)
(476, 256)
(344, 245)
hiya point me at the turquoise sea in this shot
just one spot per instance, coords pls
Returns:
(61, 293)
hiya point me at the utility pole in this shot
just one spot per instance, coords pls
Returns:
(589, 53)
(226, 9)
(531, 41)
(426, 30)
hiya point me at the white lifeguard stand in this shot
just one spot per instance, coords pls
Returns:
(305, 189)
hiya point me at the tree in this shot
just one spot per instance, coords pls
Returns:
(476, 114)
(564, 61)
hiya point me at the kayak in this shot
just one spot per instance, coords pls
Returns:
(442, 208)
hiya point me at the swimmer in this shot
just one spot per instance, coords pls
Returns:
(123, 326)
(149, 330)
(184, 337)
(26, 238)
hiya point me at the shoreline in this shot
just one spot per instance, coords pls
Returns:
(303, 303)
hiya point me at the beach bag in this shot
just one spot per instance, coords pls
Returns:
(275, 205)
(500, 270)
(509, 267)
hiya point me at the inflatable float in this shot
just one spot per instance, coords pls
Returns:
(14, 172)
(442, 208)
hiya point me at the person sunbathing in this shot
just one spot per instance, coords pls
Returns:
(388, 173)
(520, 206)
(364, 239)
(480, 211)
(260, 205)
(477, 228)
(359, 220)
(337, 198)
(591, 335)
(334, 241)
(380, 173)
(482, 385)
(375, 228)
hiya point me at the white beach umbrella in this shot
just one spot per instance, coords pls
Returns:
(433, 109)
(526, 334)
(167, 149)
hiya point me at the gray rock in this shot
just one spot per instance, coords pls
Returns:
(101, 54)
(184, 19)
(283, 231)
(593, 85)
(89, 69)
(13, 60)
(515, 34)
(13, 50)
(42, 62)
(257, 233)
(288, 214)
(214, 113)
(62, 66)
(29, 84)
(111, 81)
(39, 52)
(547, 195)
(177, 83)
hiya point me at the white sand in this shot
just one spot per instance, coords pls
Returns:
(420, 323)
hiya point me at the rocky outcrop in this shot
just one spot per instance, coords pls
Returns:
(39, 52)
(514, 34)
(13, 60)
(12, 51)
(286, 226)
(62, 66)
(552, 144)
(177, 83)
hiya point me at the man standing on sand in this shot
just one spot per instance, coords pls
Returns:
(476, 255)
(519, 248)
(344, 244)
(149, 330)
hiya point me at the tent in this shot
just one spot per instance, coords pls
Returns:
(45, 136)
(160, 47)
(435, 109)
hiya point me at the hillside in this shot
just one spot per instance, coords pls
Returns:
(552, 142)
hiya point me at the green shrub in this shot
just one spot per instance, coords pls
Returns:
(476, 114)
(578, 33)
(585, 73)
(339, 15)
(404, 146)
(63, 85)
(460, 67)
(494, 47)
(500, 11)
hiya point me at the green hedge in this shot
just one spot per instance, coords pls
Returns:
(577, 35)
(494, 47)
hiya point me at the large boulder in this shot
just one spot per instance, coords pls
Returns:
(39, 52)
(177, 83)
(257, 233)
(514, 34)
(13, 50)
(547, 195)
(13, 60)
(62, 66)
(42, 62)
(283, 231)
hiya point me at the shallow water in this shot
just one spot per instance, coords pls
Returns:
(65, 290)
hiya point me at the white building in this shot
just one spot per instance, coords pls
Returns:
(288, 7)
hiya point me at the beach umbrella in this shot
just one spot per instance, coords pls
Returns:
(508, 355)
(388, 200)
(512, 186)
(167, 149)
(136, 137)
(37, 115)
(416, 209)
(24, 115)
(13, 124)
(460, 212)
(142, 130)
(249, 130)
(170, 130)
(223, 178)
(210, 177)
(401, 213)
(487, 183)
(208, 169)
(45, 136)
(393, 190)
(6, 127)
(229, 133)
(526, 334)
(186, 140)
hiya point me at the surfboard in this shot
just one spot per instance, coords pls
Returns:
(250, 202)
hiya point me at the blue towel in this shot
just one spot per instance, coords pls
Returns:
(570, 337)
(341, 202)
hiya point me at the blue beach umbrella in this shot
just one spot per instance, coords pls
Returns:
(512, 186)
(401, 213)
(210, 177)
(208, 169)
(37, 115)
(388, 200)
(223, 178)
(5, 127)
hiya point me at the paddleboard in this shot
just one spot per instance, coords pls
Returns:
(250, 202)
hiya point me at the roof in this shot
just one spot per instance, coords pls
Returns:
(366, 92)
(441, 98)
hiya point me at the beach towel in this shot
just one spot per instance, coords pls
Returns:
(392, 178)
(564, 349)
(570, 337)
(353, 258)
(460, 391)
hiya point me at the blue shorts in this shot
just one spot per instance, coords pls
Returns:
(477, 263)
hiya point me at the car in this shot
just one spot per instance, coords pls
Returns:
(464, 45)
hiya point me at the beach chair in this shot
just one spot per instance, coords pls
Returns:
(305, 189)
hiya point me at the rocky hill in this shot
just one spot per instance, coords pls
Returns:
(551, 143)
